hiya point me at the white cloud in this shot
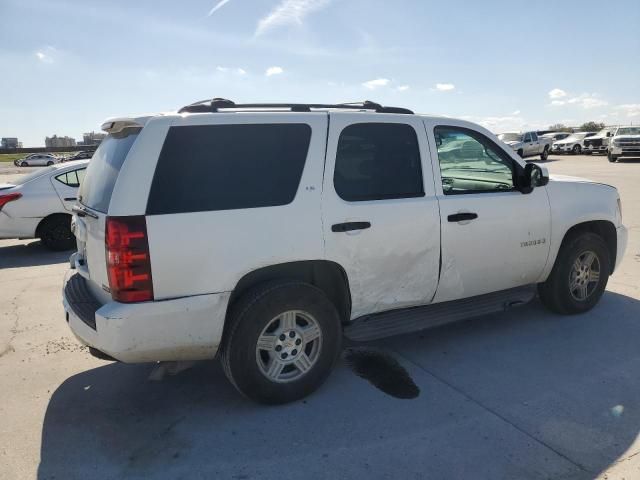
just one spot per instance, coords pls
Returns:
(557, 93)
(289, 12)
(46, 55)
(273, 71)
(218, 6)
(516, 112)
(584, 100)
(630, 109)
(378, 82)
(445, 87)
(239, 71)
(403, 88)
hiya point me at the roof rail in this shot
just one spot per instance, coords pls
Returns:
(217, 104)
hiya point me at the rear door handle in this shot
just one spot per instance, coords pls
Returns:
(461, 217)
(349, 226)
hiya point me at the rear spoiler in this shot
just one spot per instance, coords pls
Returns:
(117, 125)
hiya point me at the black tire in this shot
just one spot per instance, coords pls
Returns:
(611, 158)
(24, 164)
(576, 150)
(545, 154)
(521, 153)
(254, 312)
(55, 233)
(556, 293)
(49, 163)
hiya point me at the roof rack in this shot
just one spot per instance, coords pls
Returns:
(217, 104)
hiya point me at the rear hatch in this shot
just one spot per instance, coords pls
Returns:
(94, 197)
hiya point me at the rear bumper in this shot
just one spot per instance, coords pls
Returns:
(188, 328)
(622, 236)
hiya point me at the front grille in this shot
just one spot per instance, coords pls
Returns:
(81, 300)
(596, 142)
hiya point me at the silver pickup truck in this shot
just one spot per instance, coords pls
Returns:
(527, 144)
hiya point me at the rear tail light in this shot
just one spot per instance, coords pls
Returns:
(8, 197)
(128, 260)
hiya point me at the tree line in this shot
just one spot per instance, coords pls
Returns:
(585, 127)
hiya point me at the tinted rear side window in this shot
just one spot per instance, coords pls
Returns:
(226, 167)
(97, 186)
(378, 161)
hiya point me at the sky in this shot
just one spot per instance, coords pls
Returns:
(509, 65)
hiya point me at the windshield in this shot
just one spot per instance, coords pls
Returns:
(628, 131)
(30, 176)
(102, 173)
(510, 137)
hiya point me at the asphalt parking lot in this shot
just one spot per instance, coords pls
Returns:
(524, 394)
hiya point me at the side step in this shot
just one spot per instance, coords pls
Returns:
(407, 320)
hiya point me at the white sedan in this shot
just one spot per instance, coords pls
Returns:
(572, 144)
(37, 160)
(39, 205)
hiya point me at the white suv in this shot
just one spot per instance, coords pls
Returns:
(262, 233)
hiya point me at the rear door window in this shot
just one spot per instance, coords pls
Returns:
(97, 186)
(378, 161)
(226, 167)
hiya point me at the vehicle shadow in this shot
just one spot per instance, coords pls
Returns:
(568, 385)
(30, 255)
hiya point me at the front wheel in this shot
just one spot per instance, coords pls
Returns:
(576, 150)
(281, 341)
(579, 275)
(49, 163)
(24, 164)
(611, 158)
(545, 154)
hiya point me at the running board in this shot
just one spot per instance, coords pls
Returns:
(408, 320)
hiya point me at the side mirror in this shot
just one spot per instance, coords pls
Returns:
(609, 134)
(534, 176)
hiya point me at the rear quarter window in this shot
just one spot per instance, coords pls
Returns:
(98, 183)
(226, 167)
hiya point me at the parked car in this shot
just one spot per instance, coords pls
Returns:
(82, 155)
(625, 142)
(598, 143)
(527, 144)
(264, 237)
(38, 205)
(36, 160)
(555, 136)
(573, 143)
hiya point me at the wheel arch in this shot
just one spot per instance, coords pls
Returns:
(328, 276)
(604, 229)
(49, 217)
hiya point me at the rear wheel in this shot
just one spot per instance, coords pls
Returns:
(281, 341)
(545, 154)
(55, 233)
(611, 158)
(579, 276)
(576, 150)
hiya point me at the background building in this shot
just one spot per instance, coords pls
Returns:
(11, 142)
(92, 138)
(57, 141)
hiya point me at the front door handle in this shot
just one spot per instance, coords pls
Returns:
(461, 217)
(349, 226)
